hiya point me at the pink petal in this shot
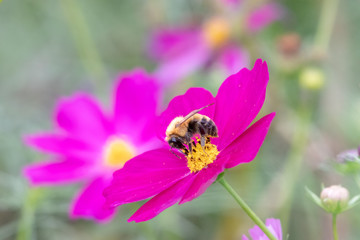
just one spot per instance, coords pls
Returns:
(203, 180)
(275, 225)
(189, 58)
(162, 201)
(256, 234)
(135, 105)
(233, 58)
(264, 16)
(59, 144)
(245, 148)
(176, 69)
(81, 116)
(194, 98)
(90, 202)
(239, 100)
(50, 173)
(144, 176)
(166, 44)
(244, 237)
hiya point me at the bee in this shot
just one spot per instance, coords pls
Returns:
(181, 130)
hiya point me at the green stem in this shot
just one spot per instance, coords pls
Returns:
(336, 237)
(357, 179)
(325, 26)
(148, 231)
(84, 43)
(246, 208)
(294, 162)
(25, 229)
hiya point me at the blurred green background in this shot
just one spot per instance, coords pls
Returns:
(54, 48)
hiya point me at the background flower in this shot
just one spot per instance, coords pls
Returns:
(274, 225)
(87, 143)
(170, 179)
(183, 51)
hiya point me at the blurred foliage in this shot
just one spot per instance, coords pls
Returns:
(42, 59)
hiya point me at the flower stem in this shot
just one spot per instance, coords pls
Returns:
(83, 40)
(246, 208)
(336, 237)
(325, 26)
(294, 162)
(357, 179)
(25, 229)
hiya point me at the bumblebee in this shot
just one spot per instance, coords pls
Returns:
(181, 130)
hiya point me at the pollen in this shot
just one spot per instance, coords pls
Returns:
(216, 31)
(200, 158)
(117, 152)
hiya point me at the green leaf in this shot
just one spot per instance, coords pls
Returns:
(314, 197)
(353, 202)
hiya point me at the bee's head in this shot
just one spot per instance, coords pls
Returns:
(175, 142)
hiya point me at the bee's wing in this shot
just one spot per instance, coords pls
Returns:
(192, 113)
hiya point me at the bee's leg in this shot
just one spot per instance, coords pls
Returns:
(190, 148)
(202, 135)
(188, 141)
(202, 142)
(186, 151)
(174, 153)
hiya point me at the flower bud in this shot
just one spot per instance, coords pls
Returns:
(348, 162)
(312, 78)
(335, 198)
(289, 44)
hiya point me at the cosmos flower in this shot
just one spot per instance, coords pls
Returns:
(183, 51)
(170, 178)
(87, 144)
(274, 225)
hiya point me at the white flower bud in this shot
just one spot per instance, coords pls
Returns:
(335, 198)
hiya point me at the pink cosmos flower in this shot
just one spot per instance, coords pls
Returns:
(274, 226)
(87, 143)
(169, 179)
(181, 52)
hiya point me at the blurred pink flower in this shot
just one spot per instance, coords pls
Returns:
(181, 52)
(263, 16)
(274, 226)
(169, 179)
(231, 3)
(88, 144)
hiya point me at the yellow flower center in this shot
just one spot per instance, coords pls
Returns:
(117, 152)
(216, 31)
(200, 158)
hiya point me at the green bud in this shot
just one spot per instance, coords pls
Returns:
(348, 162)
(312, 78)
